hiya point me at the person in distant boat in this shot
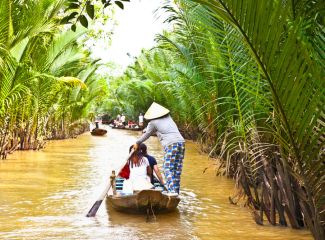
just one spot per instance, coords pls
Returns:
(153, 164)
(118, 117)
(172, 141)
(132, 124)
(117, 120)
(141, 120)
(123, 121)
(140, 172)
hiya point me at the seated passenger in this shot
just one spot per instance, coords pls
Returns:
(153, 165)
(140, 173)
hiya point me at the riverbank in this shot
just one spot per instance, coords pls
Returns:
(12, 141)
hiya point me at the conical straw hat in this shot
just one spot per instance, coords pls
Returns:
(155, 111)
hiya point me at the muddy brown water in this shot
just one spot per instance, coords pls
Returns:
(46, 195)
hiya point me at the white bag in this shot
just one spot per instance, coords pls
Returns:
(127, 187)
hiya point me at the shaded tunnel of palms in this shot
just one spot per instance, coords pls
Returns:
(244, 78)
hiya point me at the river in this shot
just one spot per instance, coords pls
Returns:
(46, 194)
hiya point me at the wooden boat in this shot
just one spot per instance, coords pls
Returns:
(126, 128)
(134, 129)
(98, 132)
(141, 201)
(117, 126)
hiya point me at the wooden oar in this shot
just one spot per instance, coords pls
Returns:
(92, 212)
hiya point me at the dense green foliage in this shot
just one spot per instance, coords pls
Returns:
(247, 79)
(47, 81)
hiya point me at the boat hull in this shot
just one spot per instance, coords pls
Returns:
(98, 132)
(126, 128)
(143, 200)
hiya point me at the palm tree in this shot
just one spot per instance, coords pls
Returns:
(280, 36)
(41, 74)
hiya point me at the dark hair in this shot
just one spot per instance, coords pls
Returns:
(130, 149)
(136, 154)
(143, 148)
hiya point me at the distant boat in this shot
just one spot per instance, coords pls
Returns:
(126, 128)
(98, 132)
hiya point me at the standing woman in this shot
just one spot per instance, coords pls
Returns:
(171, 140)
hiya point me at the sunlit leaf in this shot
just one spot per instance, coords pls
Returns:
(90, 10)
(74, 6)
(83, 20)
(73, 27)
(120, 4)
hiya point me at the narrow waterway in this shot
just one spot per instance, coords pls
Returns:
(46, 195)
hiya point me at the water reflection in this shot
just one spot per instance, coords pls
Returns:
(46, 195)
(141, 228)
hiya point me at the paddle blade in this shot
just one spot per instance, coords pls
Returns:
(92, 212)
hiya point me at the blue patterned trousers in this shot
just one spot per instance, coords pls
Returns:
(173, 164)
